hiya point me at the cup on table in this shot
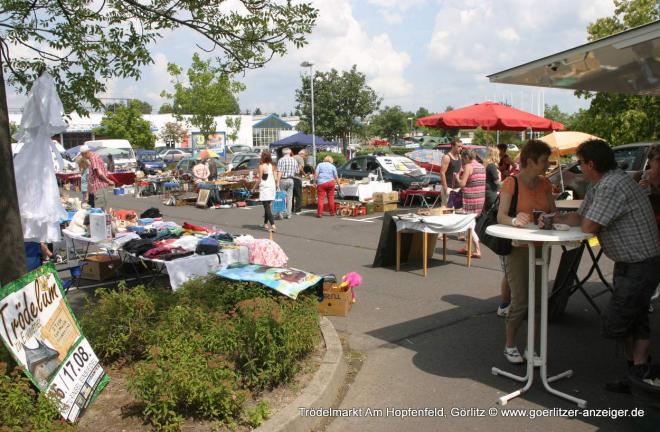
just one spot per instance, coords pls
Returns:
(536, 214)
(548, 220)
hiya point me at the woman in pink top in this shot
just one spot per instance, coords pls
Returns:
(473, 183)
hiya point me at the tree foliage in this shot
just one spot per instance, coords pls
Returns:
(618, 118)
(233, 126)
(208, 93)
(83, 44)
(144, 107)
(341, 102)
(174, 132)
(391, 123)
(126, 122)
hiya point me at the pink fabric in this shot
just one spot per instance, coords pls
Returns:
(264, 251)
(327, 188)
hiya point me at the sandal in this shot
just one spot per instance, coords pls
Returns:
(462, 251)
(273, 228)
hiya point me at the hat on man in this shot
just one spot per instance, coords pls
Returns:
(84, 148)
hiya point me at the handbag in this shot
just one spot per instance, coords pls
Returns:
(455, 199)
(498, 245)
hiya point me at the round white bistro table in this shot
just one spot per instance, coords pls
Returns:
(532, 236)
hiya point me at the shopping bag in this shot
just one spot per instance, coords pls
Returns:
(279, 204)
(488, 217)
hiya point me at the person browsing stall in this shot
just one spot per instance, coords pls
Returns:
(619, 213)
(267, 182)
(97, 178)
(326, 177)
(297, 181)
(288, 168)
(450, 164)
(534, 193)
(473, 183)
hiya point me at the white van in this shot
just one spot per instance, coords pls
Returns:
(120, 149)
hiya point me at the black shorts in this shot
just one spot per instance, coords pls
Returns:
(626, 314)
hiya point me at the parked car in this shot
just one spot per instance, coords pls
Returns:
(185, 166)
(632, 158)
(120, 149)
(401, 171)
(512, 147)
(149, 161)
(240, 157)
(249, 162)
(233, 149)
(173, 155)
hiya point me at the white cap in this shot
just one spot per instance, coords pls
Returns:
(84, 148)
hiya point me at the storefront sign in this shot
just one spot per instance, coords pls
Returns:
(41, 332)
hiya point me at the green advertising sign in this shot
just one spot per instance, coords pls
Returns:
(38, 327)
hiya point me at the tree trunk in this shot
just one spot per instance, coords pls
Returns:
(12, 264)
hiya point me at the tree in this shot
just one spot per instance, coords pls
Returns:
(233, 126)
(209, 93)
(483, 137)
(13, 128)
(144, 107)
(391, 123)
(340, 102)
(618, 118)
(126, 122)
(173, 132)
(166, 108)
(84, 45)
(257, 111)
(554, 113)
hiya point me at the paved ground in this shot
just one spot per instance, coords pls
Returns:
(431, 342)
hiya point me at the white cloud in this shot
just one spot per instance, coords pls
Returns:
(508, 34)
(338, 42)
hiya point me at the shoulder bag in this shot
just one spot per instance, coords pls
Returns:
(487, 218)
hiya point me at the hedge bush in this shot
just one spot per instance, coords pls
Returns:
(202, 350)
(23, 408)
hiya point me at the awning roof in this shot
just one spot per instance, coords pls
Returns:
(627, 62)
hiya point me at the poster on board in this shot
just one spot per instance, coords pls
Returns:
(41, 332)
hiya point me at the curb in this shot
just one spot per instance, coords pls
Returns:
(320, 392)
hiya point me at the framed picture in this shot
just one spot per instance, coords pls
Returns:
(203, 198)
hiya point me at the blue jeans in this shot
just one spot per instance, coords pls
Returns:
(286, 185)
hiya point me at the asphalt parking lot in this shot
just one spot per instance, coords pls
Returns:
(431, 342)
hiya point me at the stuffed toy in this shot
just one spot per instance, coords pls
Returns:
(349, 281)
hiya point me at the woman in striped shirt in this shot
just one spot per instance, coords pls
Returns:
(473, 183)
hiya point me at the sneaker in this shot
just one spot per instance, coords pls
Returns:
(513, 355)
(641, 371)
(536, 359)
(287, 217)
(503, 309)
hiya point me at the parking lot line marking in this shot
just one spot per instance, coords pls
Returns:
(367, 220)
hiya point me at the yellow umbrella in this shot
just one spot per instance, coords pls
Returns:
(566, 142)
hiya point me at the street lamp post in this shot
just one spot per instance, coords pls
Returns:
(310, 65)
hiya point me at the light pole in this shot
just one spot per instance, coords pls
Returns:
(310, 65)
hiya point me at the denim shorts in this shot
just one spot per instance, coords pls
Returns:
(626, 314)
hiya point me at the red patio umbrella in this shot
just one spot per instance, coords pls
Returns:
(491, 116)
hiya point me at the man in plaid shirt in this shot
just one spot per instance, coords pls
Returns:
(97, 179)
(620, 214)
(288, 168)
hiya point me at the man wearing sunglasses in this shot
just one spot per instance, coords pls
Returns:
(617, 210)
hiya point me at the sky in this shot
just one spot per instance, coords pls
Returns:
(414, 53)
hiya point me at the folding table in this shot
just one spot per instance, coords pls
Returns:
(531, 235)
(441, 224)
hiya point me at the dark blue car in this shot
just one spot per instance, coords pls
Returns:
(149, 161)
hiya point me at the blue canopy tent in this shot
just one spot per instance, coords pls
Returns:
(301, 140)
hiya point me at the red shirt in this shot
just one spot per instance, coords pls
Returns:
(96, 167)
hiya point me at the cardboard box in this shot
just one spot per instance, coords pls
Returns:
(380, 207)
(385, 197)
(335, 301)
(309, 196)
(100, 267)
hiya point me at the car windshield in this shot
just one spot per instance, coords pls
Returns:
(149, 157)
(117, 153)
(399, 165)
(626, 157)
(239, 148)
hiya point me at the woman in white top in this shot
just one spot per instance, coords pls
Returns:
(267, 182)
